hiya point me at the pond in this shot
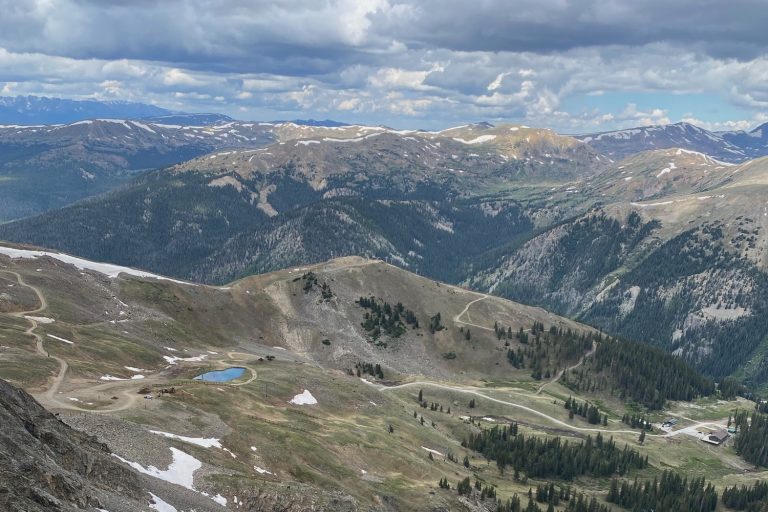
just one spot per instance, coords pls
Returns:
(222, 375)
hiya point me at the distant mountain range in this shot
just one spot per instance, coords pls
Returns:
(46, 167)
(319, 192)
(727, 146)
(41, 110)
(38, 110)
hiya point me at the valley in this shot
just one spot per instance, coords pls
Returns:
(509, 210)
(360, 277)
(383, 256)
(116, 336)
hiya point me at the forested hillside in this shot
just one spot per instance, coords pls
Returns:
(560, 268)
(694, 298)
(694, 294)
(634, 371)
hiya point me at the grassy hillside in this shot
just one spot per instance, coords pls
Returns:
(378, 440)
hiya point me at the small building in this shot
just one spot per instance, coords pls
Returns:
(717, 437)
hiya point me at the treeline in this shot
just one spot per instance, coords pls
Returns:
(374, 370)
(751, 499)
(575, 503)
(384, 318)
(671, 492)
(554, 458)
(636, 421)
(590, 248)
(310, 281)
(639, 372)
(730, 388)
(544, 494)
(544, 351)
(588, 411)
(752, 439)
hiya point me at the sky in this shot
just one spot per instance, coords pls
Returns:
(575, 66)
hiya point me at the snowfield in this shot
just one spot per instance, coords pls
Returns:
(107, 269)
(181, 472)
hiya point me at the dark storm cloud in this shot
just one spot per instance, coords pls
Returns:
(723, 28)
(293, 36)
(311, 36)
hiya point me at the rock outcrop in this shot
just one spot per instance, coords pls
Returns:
(47, 466)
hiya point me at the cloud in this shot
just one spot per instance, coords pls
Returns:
(401, 62)
(731, 125)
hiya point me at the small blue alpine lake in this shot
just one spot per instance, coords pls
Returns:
(222, 375)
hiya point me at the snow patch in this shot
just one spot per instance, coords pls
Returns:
(40, 319)
(647, 205)
(221, 500)
(180, 472)
(174, 359)
(304, 398)
(667, 170)
(434, 452)
(61, 339)
(477, 140)
(161, 506)
(210, 442)
(110, 377)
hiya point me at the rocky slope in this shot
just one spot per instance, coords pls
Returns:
(46, 466)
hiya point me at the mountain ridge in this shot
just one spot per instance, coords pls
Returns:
(35, 110)
(729, 146)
